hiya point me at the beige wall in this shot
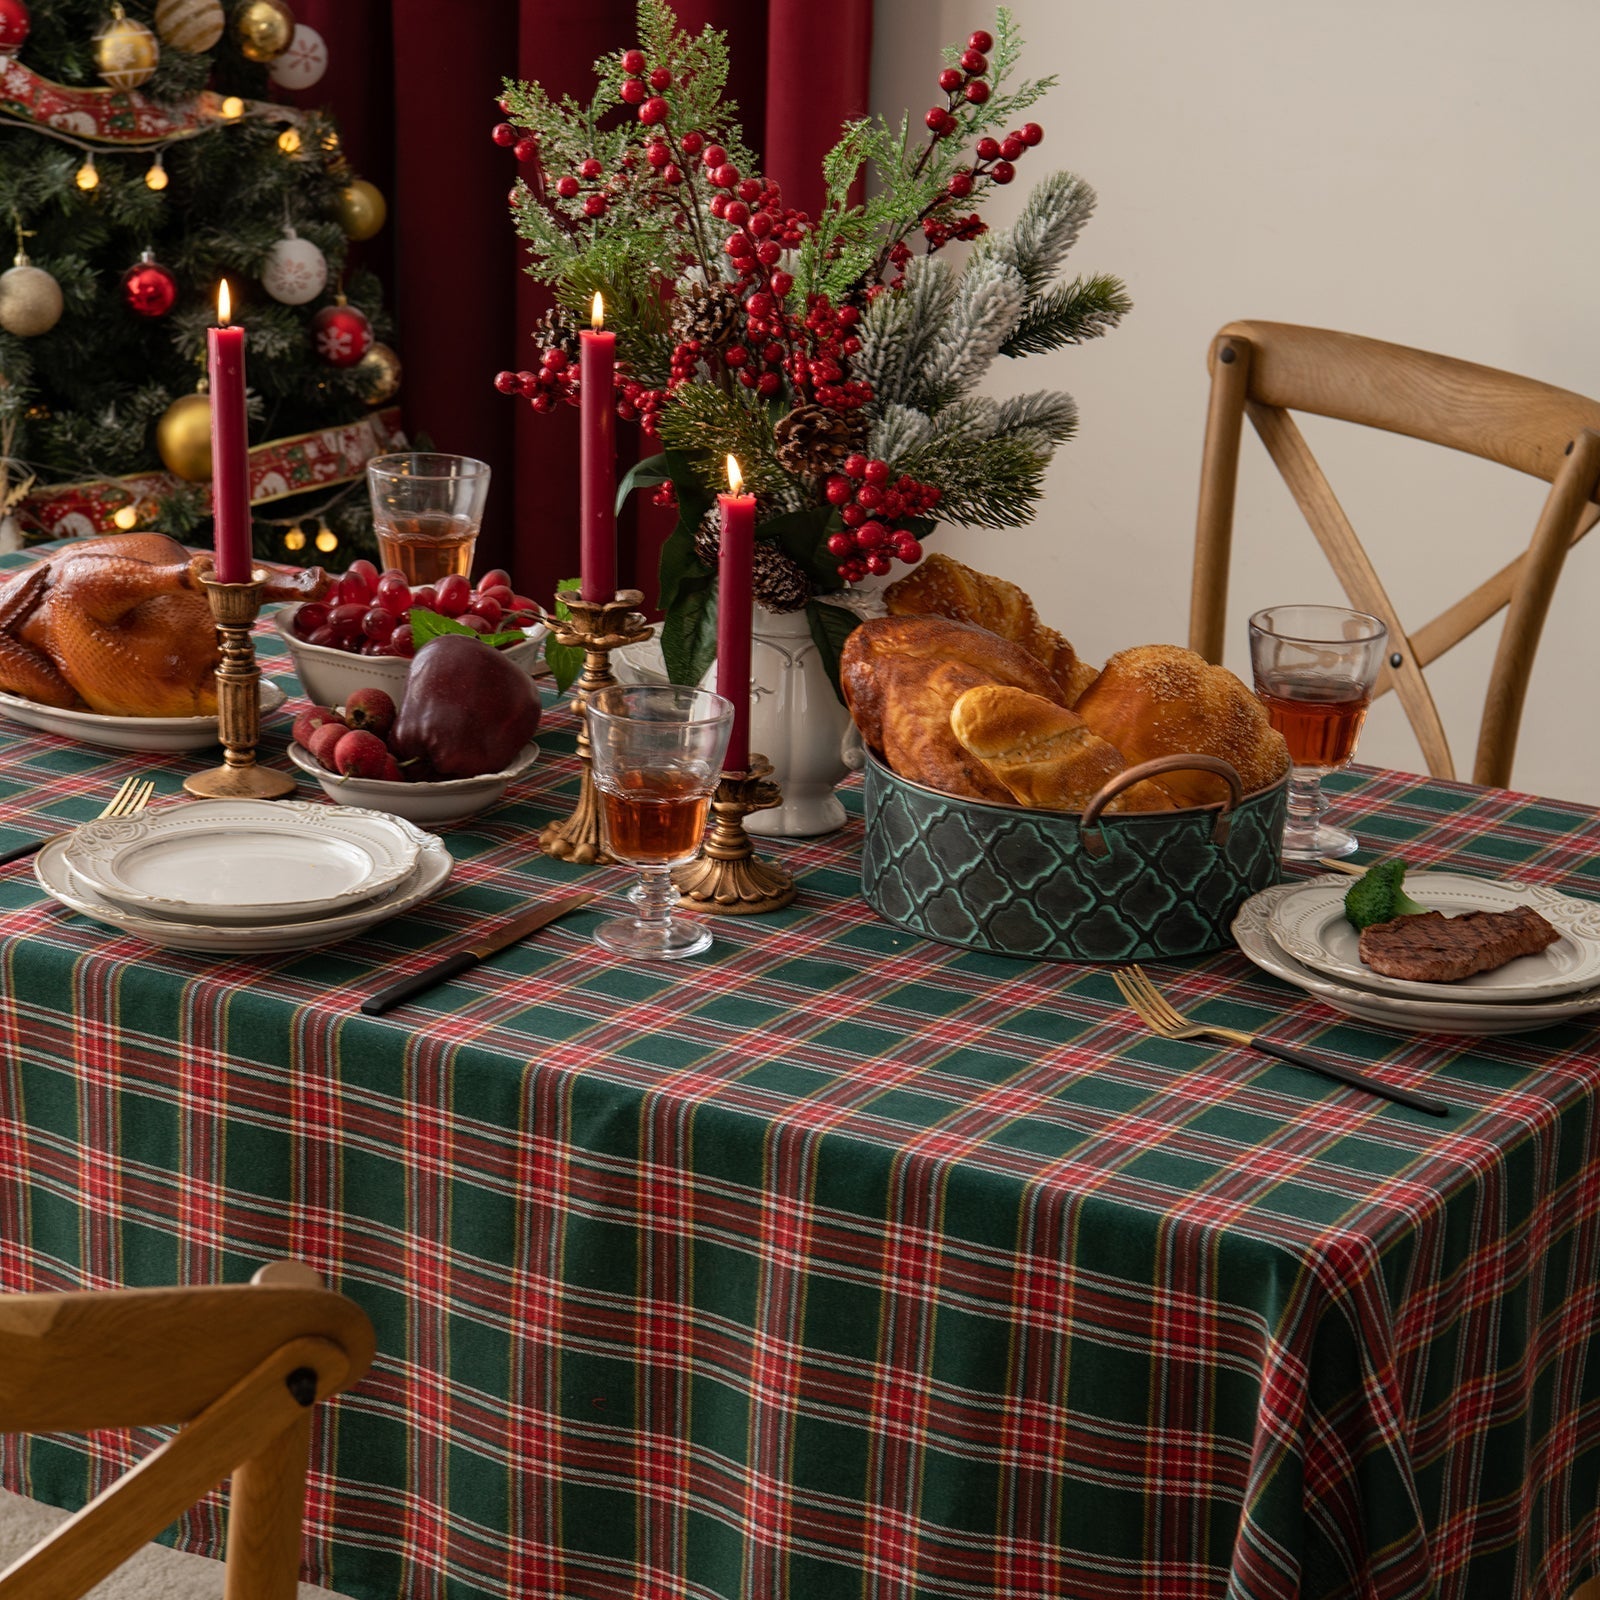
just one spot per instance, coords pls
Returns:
(1418, 170)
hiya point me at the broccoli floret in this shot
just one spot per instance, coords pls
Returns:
(1377, 896)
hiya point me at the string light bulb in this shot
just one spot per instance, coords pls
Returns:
(289, 141)
(327, 539)
(88, 176)
(126, 517)
(294, 539)
(156, 177)
(233, 108)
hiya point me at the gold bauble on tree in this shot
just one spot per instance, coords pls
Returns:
(183, 438)
(125, 51)
(362, 209)
(263, 29)
(30, 299)
(191, 25)
(377, 375)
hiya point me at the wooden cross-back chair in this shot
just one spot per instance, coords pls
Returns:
(1267, 370)
(240, 1367)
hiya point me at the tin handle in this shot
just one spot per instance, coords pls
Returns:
(1094, 842)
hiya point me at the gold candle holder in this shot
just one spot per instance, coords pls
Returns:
(597, 627)
(729, 877)
(234, 605)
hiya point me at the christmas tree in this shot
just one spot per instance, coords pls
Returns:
(146, 154)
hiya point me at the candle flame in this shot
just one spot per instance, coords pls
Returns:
(224, 304)
(597, 313)
(735, 476)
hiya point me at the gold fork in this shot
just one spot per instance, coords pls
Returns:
(1161, 1017)
(132, 796)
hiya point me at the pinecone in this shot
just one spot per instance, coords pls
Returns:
(710, 313)
(553, 332)
(780, 582)
(813, 440)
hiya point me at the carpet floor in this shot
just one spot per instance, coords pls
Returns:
(156, 1573)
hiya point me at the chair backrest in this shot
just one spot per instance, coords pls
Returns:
(1267, 370)
(239, 1367)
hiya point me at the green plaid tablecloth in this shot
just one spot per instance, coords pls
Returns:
(836, 1263)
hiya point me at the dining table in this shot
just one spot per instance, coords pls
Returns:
(834, 1261)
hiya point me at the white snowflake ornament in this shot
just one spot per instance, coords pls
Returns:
(303, 63)
(295, 270)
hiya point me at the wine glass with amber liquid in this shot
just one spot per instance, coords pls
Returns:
(1315, 667)
(426, 511)
(657, 757)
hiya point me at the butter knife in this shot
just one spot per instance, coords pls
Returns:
(507, 934)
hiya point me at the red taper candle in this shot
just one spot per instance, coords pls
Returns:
(597, 461)
(735, 597)
(230, 447)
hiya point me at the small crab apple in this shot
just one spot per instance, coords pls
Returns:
(308, 722)
(371, 709)
(360, 754)
(325, 740)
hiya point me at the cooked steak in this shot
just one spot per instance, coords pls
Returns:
(1437, 949)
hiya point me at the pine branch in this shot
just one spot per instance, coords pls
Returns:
(1052, 217)
(984, 314)
(702, 420)
(1049, 413)
(1071, 313)
(986, 483)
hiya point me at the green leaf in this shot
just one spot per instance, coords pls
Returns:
(679, 563)
(801, 535)
(426, 626)
(830, 627)
(644, 474)
(689, 635)
(565, 661)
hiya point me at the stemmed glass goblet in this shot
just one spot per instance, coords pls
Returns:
(1314, 669)
(657, 757)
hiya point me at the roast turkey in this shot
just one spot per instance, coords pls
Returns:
(122, 626)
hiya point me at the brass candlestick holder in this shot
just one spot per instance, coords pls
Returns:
(729, 876)
(597, 627)
(234, 605)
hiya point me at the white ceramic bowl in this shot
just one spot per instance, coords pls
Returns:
(331, 676)
(426, 804)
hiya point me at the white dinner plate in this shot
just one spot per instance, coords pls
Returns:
(56, 878)
(1309, 924)
(243, 861)
(1252, 932)
(147, 735)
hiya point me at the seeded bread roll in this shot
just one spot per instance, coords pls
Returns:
(1046, 756)
(1161, 700)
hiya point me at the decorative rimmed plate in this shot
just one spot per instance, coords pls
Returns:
(1253, 934)
(1309, 924)
(56, 878)
(243, 861)
(147, 735)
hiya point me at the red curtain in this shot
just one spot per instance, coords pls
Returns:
(413, 84)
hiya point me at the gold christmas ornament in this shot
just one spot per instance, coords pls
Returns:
(263, 29)
(125, 51)
(362, 209)
(183, 438)
(30, 299)
(378, 375)
(192, 25)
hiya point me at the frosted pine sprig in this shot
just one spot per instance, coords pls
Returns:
(984, 314)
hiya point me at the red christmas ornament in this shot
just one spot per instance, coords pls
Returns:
(341, 333)
(148, 289)
(14, 21)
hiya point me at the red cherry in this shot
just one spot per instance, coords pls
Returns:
(1032, 133)
(633, 62)
(988, 149)
(503, 133)
(653, 110)
(634, 92)
(660, 78)
(974, 61)
(981, 41)
(977, 92)
(1002, 172)
(453, 595)
(1012, 147)
(960, 184)
(594, 205)
(950, 79)
(876, 472)
(525, 149)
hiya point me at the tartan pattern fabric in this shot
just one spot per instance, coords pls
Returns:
(836, 1262)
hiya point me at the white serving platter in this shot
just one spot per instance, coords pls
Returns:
(1253, 934)
(56, 878)
(1309, 924)
(145, 735)
(243, 861)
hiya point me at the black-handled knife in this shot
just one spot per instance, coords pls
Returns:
(1356, 1080)
(18, 851)
(451, 966)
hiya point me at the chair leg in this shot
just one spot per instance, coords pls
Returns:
(1219, 478)
(266, 1504)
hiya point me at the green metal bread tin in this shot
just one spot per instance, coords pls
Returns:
(1069, 886)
